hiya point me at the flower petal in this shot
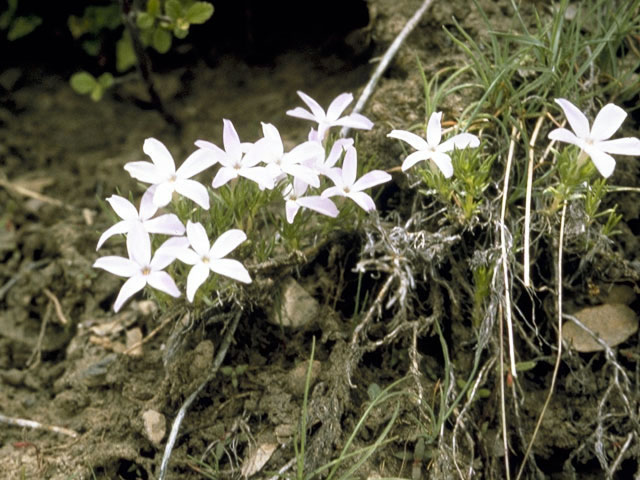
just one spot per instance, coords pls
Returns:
(147, 208)
(160, 156)
(579, 123)
(162, 281)
(163, 193)
(223, 176)
(168, 252)
(371, 179)
(355, 120)
(230, 268)
(336, 150)
(123, 207)
(303, 173)
(443, 162)
(121, 227)
(197, 276)
(291, 209)
(462, 140)
(217, 153)
(231, 140)
(146, 172)
(338, 105)
(260, 175)
(320, 205)
(604, 162)
(194, 191)
(350, 166)
(621, 146)
(128, 289)
(363, 200)
(333, 191)
(139, 245)
(416, 157)
(198, 238)
(188, 256)
(316, 109)
(607, 122)
(197, 162)
(167, 224)
(412, 139)
(434, 129)
(120, 266)
(227, 242)
(300, 112)
(566, 136)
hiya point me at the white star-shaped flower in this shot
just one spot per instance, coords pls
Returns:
(594, 141)
(270, 151)
(432, 149)
(206, 258)
(331, 117)
(295, 199)
(167, 224)
(234, 161)
(140, 268)
(163, 174)
(346, 184)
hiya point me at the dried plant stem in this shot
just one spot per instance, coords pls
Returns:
(56, 303)
(175, 427)
(22, 422)
(527, 206)
(503, 409)
(386, 59)
(503, 247)
(556, 367)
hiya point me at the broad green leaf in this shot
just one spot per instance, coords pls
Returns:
(153, 7)
(83, 82)
(199, 12)
(22, 26)
(97, 92)
(77, 26)
(106, 80)
(173, 9)
(144, 20)
(125, 56)
(179, 31)
(162, 40)
(91, 46)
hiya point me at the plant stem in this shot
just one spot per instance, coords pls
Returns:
(144, 63)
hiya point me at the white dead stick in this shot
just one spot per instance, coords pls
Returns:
(23, 422)
(386, 59)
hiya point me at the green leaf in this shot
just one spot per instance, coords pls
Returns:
(83, 82)
(91, 46)
(106, 80)
(97, 92)
(144, 20)
(162, 40)
(199, 12)
(22, 26)
(173, 9)
(180, 32)
(7, 15)
(153, 7)
(125, 55)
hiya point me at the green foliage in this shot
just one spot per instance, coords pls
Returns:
(86, 84)
(17, 26)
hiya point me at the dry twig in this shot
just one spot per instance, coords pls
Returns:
(22, 422)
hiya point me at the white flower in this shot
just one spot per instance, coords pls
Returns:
(295, 199)
(595, 141)
(332, 116)
(324, 165)
(346, 184)
(167, 224)
(270, 150)
(206, 259)
(234, 161)
(432, 149)
(140, 268)
(163, 174)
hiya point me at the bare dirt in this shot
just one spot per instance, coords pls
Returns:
(65, 359)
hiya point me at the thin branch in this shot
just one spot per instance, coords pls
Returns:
(386, 59)
(22, 422)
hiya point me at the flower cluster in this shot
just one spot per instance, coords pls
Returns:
(297, 173)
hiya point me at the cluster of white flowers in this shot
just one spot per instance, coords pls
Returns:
(264, 162)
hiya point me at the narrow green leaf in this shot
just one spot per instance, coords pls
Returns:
(199, 12)
(162, 40)
(83, 82)
(144, 20)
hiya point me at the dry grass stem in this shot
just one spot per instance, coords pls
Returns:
(22, 422)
